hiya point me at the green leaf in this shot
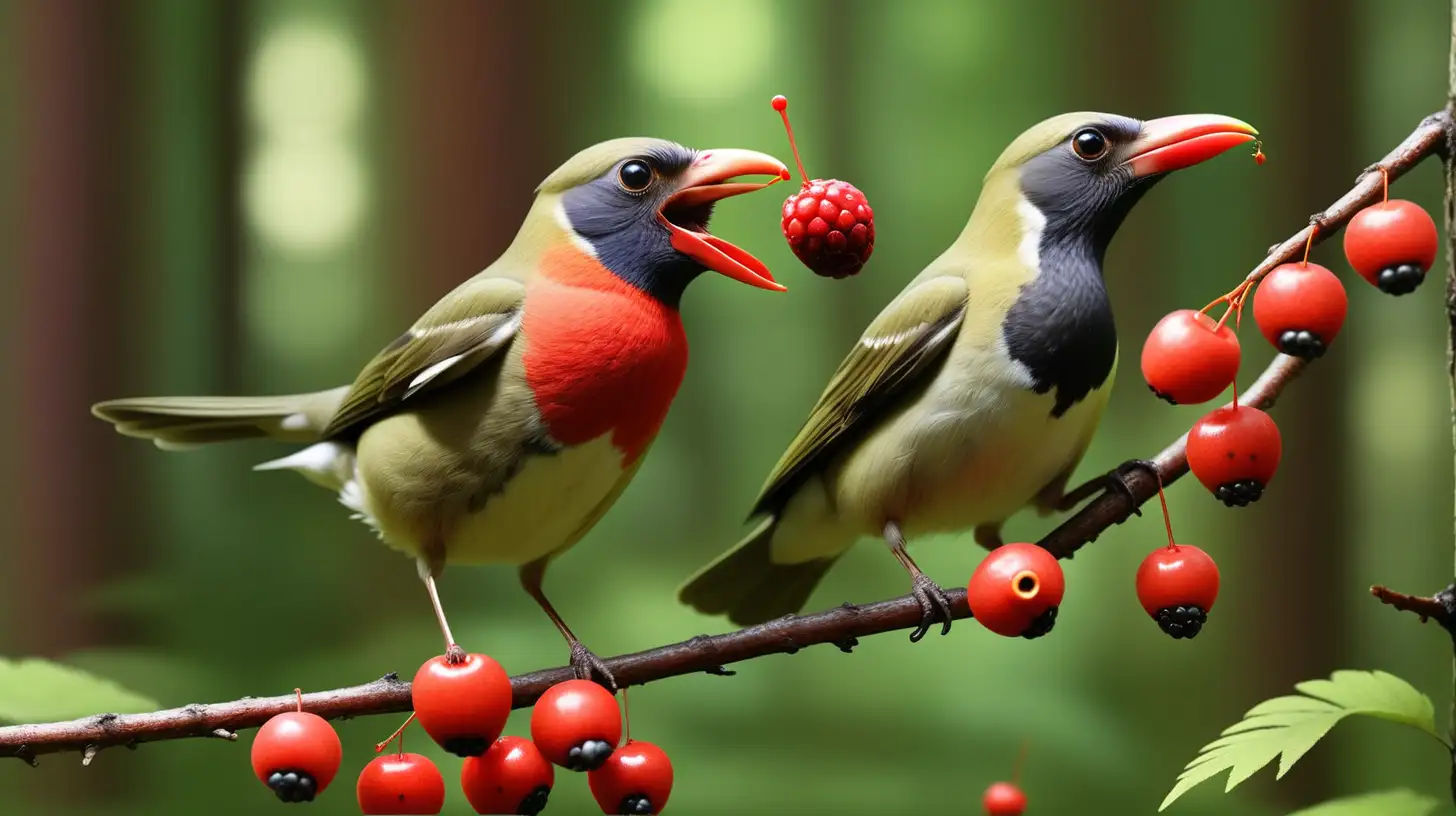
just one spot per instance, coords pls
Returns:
(1388, 803)
(34, 690)
(1287, 727)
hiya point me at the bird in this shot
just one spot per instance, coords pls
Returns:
(504, 423)
(976, 391)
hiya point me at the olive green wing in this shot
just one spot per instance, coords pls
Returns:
(899, 350)
(467, 327)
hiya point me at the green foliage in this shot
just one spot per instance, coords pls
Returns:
(35, 690)
(1400, 802)
(1287, 727)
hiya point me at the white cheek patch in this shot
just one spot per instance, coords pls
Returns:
(576, 240)
(1033, 224)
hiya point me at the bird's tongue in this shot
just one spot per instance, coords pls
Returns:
(724, 258)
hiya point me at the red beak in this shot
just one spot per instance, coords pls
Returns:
(1175, 142)
(685, 212)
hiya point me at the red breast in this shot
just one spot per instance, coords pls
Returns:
(601, 355)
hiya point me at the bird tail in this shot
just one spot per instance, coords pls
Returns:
(746, 584)
(179, 423)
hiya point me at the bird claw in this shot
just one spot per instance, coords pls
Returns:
(934, 605)
(585, 664)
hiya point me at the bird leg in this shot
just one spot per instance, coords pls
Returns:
(1115, 479)
(989, 535)
(453, 652)
(934, 605)
(583, 662)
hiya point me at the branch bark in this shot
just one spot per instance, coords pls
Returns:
(841, 626)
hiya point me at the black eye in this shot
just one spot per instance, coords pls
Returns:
(635, 176)
(1089, 144)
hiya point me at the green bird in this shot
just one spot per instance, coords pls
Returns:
(978, 389)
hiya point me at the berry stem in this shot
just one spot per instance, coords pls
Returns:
(398, 733)
(1167, 520)
(784, 113)
(1020, 763)
(1384, 185)
(298, 693)
(1309, 244)
(626, 720)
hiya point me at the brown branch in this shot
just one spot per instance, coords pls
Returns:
(1440, 607)
(841, 626)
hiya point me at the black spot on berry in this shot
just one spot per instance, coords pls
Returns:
(1301, 343)
(1041, 625)
(535, 801)
(1240, 493)
(1181, 622)
(465, 746)
(1400, 279)
(1164, 397)
(636, 804)
(588, 756)
(292, 786)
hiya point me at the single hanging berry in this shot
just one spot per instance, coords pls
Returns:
(401, 784)
(1003, 799)
(1392, 245)
(296, 754)
(1188, 358)
(1234, 451)
(510, 777)
(1300, 307)
(1177, 586)
(576, 724)
(1015, 591)
(462, 706)
(636, 779)
(829, 224)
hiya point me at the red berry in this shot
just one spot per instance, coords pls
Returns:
(636, 779)
(401, 783)
(1392, 245)
(462, 706)
(296, 754)
(828, 223)
(511, 777)
(1234, 451)
(1004, 799)
(576, 724)
(1188, 358)
(1300, 308)
(1015, 591)
(1177, 585)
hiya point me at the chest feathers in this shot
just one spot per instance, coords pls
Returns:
(601, 356)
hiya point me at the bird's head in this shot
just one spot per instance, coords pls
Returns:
(1085, 171)
(641, 208)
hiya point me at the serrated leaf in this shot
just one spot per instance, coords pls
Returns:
(1387, 803)
(35, 690)
(1288, 727)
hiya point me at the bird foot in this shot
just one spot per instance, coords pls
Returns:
(454, 655)
(586, 664)
(934, 606)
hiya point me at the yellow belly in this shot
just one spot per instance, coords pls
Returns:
(547, 504)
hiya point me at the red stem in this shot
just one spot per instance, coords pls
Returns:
(792, 144)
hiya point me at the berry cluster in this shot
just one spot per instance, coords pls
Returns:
(828, 223)
(1189, 358)
(463, 705)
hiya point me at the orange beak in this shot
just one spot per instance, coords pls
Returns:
(685, 213)
(1175, 142)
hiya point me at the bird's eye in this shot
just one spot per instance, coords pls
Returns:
(635, 176)
(1089, 144)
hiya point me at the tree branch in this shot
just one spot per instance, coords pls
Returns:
(841, 626)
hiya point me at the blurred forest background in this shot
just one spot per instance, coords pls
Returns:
(218, 197)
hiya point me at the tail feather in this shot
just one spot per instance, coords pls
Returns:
(748, 586)
(185, 422)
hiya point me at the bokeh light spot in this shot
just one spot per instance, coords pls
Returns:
(305, 198)
(673, 38)
(307, 78)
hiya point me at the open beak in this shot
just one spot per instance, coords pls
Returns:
(686, 212)
(1175, 142)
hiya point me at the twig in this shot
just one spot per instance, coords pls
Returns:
(842, 626)
(1440, 607)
